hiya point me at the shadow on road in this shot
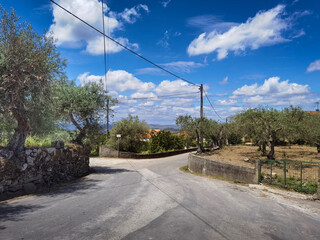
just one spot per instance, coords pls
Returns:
(10, 212)
(108, 170)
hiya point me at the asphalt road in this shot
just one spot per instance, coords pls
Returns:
(153, 199)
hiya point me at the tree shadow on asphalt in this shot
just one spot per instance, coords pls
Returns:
(85, 185)
(108, 170)
(10, 212)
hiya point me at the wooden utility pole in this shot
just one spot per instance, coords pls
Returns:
(201, 117)
(201, 101)
(108, 133)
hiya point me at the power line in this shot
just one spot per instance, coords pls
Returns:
(164, 96)
(123, 46)
(104, 47)
(211, 104)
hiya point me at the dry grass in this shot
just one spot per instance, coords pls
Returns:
(236, 154)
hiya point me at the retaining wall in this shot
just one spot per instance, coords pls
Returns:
(38, 167)
(104, 151)
(232, 172)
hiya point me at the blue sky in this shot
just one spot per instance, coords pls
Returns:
(246, 53)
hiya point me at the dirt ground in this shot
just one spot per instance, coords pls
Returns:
(236, 154)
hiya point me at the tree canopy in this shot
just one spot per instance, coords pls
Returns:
(29, 66)
(133, 134)
(199, 128)
(84, 107)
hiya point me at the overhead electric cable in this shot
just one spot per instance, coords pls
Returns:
(211, 104)
(123, 46)
(163, 96)
(104, 47)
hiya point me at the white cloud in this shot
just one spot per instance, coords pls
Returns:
(118, 80)
(165, 3)
(209, 23)
(144, 95)
(70, 32)
(225, 102)
(178, 66)
(314, 66)
(272, 87)
(152, 71)
(235, 109)
(130, 15)
(183, 66)
(175, 87)
(275, 93)
(164, 42)
(264, 29)
(224, 81)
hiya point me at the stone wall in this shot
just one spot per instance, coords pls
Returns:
(38, 167)
(232, 172)
(104, 151)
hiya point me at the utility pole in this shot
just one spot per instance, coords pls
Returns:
(105, 68)
(108, 133)
(201, 101)
(201, 116)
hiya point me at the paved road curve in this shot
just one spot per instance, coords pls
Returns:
(152, 199)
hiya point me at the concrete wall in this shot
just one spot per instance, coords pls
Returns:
(111, 153)
(210, 167)
(316, 196)
(38, 167)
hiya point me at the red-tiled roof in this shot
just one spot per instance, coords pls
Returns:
(313, 112)
(153, 131)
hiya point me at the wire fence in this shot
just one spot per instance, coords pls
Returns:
(298, 175)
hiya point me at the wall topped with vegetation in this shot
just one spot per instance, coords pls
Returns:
(37, 167)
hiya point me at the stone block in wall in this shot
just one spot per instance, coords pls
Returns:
(57, 144)
(41, 166)
(29, 187)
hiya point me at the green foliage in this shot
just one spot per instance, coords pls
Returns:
(45, 141)
(83, 107)
(29, 67)
(164, 141)
(133, 135)
(234, 138)
(198, 128)
(268, 126)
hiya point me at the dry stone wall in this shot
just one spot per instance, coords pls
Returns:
(38, 167)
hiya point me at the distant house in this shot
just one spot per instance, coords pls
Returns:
(313, 112)
(151, 132)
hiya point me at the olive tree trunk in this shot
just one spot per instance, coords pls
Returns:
(18, 139)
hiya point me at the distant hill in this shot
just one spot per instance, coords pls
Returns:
(171, 128)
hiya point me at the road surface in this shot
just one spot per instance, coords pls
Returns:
(153, 199)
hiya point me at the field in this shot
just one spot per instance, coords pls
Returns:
(301, 176)
(236, 154)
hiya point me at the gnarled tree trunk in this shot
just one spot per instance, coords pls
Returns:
(18, 140)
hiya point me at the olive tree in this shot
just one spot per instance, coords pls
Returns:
(263, 125)
(29, 66)
(199, 128)
(84, 107)
(133, 134)
(266, 126)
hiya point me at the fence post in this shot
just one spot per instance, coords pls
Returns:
(316, 196)
(258, 168)
(270, 172)
(300, 176)
(285, 172)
